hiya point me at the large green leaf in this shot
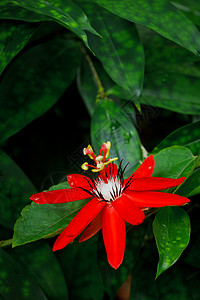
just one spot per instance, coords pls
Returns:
(191, 186)
(172, 74)
(190, 8)
(188, 136)
(10, 10)
(42, 264)
(163, 54)
(119, 48)
(171, 229)
(160, 16)
(15, 282)
(111, 123)
(64, 12)
(175, 92)
(80, 267)
(14, 36)
(14, 190)
(173, 162)
(34, 82)
(43, 221)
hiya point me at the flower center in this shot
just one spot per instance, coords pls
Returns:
(108, 191)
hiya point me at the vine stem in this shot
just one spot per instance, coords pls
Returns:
(101, 92)
(6, 243)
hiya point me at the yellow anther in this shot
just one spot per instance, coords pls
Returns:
(111, 160)
(90, 148)
(85, 166)
(108, 145)
(89, 151)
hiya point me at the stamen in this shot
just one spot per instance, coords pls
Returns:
(99, 159)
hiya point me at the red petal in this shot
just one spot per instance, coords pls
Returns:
(77, 180)
(94, 227)
(154, 183)
(155, 199)
(145, 170)
(60, 196)
(78, 223)
(111, 170)
(128, 211)
(114, 235)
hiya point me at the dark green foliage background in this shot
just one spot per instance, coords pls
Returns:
(80, 72)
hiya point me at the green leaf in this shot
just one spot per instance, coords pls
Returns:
(171, 229)
(173, 162)
(190, 8)
(191, 186)
(15, 189)
(15, 282)
(42, 264)
(64, 12)
(9, 10)
(14, 36)
(119, 48)
(111, 123)
(46, 220)
(113, 279)
(34, 82)
(188, 136)
(175, 92)
(81, 259)
(161, 16)
(12, 10)
(163, 54)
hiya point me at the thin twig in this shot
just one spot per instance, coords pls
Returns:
(6, 243)
(101, 93)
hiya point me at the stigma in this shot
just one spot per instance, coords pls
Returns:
(99, 160)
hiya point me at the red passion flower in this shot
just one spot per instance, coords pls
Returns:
(114, 201)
